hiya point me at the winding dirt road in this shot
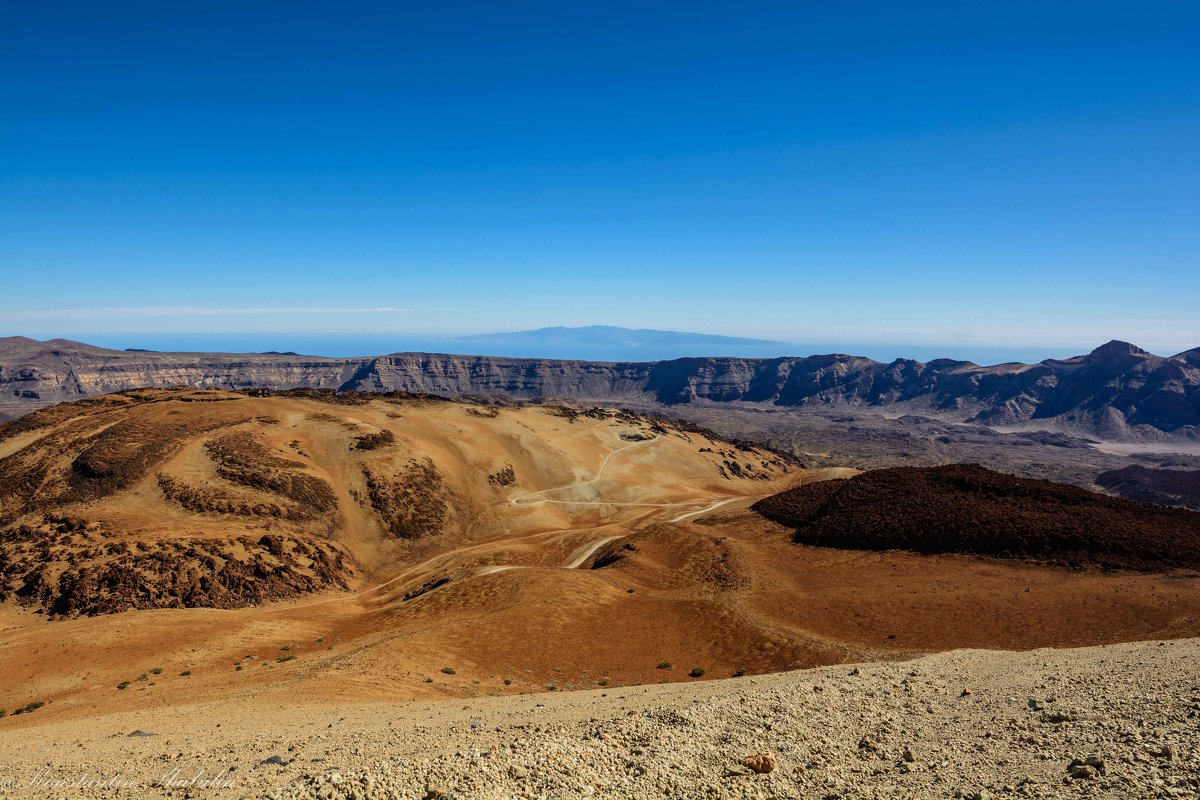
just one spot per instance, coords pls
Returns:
(575, 560)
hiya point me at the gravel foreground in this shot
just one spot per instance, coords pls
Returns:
(1121, 721)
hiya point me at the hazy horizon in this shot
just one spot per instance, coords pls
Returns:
(346, 345)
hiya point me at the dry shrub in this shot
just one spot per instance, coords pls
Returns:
(412, 504)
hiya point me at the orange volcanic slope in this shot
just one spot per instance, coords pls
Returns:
(161, 499)
(342, 548)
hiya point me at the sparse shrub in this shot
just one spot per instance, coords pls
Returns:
(283, 659)
(373, 441)
(449, 670)
(411, 504)
(143, 677)
(508, 681)
(237, 667)
(739, 673)
(697, 672)
(241, 459)
(28, 707)
(156, 671)
(123, 685)
(603, 681)
(505, 477)
(185, 673)
(286, 647)
(665, 665)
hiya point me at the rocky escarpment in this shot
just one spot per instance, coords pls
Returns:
(1116, 392)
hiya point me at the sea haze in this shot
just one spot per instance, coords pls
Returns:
(520, 345)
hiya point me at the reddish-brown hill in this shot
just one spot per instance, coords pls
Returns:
(964, 508)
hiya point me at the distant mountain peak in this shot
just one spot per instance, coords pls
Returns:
(1118, 346)
(1190, 356)
(1118, 355)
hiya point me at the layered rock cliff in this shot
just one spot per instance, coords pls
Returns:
(1116, 392)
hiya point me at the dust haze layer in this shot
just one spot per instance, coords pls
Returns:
(1117, 392)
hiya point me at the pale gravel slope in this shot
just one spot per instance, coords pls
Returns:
(837, 732)
(965, 719)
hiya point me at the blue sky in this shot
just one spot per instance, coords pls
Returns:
(1018, 175)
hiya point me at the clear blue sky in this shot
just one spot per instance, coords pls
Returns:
(1016, 174)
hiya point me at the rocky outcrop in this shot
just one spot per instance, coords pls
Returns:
(1116, 392)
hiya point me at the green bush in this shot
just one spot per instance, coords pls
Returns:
(697, 672)
(449, 670)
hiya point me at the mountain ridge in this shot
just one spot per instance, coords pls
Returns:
(1116, 392)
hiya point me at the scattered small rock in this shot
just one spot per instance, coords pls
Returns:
(1167, 751)
(762, 763)
(1083, 772)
